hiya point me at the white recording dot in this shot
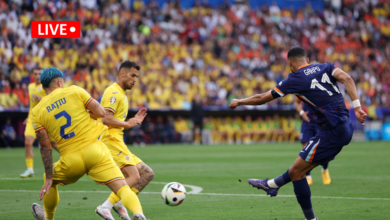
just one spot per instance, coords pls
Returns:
(72, 29)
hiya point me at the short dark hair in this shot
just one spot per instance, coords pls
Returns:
(129, 64)
(37, 68)
(296, 52)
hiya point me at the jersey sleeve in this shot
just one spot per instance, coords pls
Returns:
(111, 100)
(84, 95)
(332, 68)
(285, 87)
(37, 125)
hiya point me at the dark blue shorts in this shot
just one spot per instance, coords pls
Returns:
(308, 130)
(323, 147)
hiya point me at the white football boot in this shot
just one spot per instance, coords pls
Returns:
(104, 212)
(38, 211)
(122, 212)
(139, 216)
(27, 173)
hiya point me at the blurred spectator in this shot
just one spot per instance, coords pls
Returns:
(197, 114)
(8, 134)
(207, 131)
(182, 127)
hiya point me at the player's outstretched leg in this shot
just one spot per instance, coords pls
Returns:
(50, 202)
(271, 186)
(301, 187)
(29, 157)
(325, 174)
(128, 197)
(137, 177)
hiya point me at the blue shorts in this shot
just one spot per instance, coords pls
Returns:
(323, 147)
(308, 130)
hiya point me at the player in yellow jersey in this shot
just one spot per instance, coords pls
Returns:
(61, 120)
(116, 105)
(36, 92)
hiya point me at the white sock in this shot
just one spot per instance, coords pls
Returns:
(272, 184)
(308, 176)
(323, 170)
(107, 204)
(31, 170)
(120, 203)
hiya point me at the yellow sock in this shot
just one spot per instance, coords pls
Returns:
(135, 190)
(50, 201)
(130, 200)
(113, 198)
(30, 163)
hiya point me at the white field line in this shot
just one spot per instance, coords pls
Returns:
(215, 194)
(194, 189)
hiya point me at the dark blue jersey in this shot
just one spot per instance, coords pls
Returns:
(310, 113)
(315, 85)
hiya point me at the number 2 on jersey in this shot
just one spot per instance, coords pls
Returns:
(68, 123)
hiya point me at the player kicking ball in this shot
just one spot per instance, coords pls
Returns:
(314, 84)
(116, 105)
(61, 120)
(309, 130)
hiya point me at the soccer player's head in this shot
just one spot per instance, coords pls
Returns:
(36, 72)
(297, 57)
(128, 74)
(52, 78)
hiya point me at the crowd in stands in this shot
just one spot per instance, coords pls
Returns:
(216, 130)
(232, 51)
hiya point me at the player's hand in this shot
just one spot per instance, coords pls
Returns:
(132, 122)
(234, 104)
(25, 121)
(45, 188)
(141, 114)
(36, 97)
(305, 117)
(360, 115)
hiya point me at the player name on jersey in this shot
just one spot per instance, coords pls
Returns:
(56, 104)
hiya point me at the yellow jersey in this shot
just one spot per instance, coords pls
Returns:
(64, 116)
(115, 100)
(34, 89)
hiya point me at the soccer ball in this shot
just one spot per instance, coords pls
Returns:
(173, 194)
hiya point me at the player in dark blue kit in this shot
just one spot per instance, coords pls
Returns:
(314, 84)
(308, 130)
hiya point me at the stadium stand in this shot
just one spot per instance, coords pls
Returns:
(219, 53)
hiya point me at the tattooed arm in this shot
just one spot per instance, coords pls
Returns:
(47, 157)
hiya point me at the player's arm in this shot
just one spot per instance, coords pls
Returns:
(258, 99)
(111, 121)
(47, 157)
(298, 107)
(344, 78)
(96, 110)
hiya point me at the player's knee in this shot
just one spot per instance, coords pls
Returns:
(133, 179)
(296, 174)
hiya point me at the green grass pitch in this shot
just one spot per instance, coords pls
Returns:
(359, 189)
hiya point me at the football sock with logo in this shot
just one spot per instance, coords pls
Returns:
(30, 164)
(50, 201)
(279, 181)
(325, 166)
(129, 199)
(302, 191)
